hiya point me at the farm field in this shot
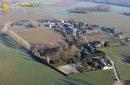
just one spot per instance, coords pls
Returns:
(100, 36)
(119, 56)
(108, 19)
(39, 35)
(19, 68)
(113, 18)
(97, 37)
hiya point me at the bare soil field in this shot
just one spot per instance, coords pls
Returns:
(39, 35)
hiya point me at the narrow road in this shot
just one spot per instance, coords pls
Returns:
(118, 83)
(115, 71)
(117, 78)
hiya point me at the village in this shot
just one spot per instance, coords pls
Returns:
(73, 54)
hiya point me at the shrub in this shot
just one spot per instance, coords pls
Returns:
(81, 70)
(56, 61)
(89, 68)
(107, 44)
(98, 53)
(84, 51)
(71, 61)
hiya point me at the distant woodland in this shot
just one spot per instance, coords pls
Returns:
(126, 13)
(99, 8)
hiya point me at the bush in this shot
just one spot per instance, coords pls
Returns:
(56, 61)
(98, 53)
(81, 70)
(71, 61)
(89, 68)
(107, 44)
(84, 51)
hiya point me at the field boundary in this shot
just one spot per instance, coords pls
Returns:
(25, 46)
(17, 38)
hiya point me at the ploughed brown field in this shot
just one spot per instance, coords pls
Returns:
(38, 35)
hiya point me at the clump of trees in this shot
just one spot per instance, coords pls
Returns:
(126, 13)
(68, 53)
(99, 8)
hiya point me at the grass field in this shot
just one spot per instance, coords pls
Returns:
(100, 36)
(18, 68)
(119, 56)
(109, 19)
(39, 35)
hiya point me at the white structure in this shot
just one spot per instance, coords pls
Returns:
(68, 69)
(122, 36)
(91, 31)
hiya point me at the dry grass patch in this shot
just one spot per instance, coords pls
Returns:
(97, 37)
(39, 35)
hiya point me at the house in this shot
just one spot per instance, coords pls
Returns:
(90, 48)
(121, 36)
(51, 24)
(102, 64)
(115, 31)
(98, 43)
(127, 39)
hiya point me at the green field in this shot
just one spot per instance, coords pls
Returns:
(18, 68)
(119, 56)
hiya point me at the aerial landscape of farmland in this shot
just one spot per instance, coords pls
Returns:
(64, 42)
